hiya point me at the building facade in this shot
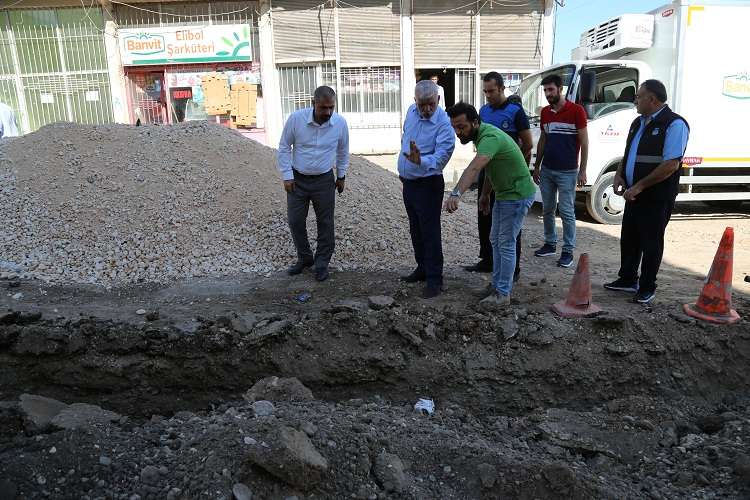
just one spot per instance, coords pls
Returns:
(101, 61)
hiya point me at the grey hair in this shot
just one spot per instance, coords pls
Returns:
(425, 89)
(324, 92)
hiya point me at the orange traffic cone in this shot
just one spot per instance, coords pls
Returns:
(715, 301)
(578, 302)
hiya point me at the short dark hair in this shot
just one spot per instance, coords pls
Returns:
(657, 88)
(324, 92)
(462, 108)
(553, 79)
(494, 76)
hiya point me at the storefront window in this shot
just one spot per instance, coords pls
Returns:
(176, 93)
(194, 102)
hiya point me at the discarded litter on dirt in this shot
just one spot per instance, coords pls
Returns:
(425, 406)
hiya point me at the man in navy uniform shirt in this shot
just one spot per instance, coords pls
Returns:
(649, 180)
(510, 118)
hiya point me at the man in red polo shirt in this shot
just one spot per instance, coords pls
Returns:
(563, 135)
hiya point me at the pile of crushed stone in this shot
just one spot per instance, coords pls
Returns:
(118, 204)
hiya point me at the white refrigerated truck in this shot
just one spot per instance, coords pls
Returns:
(700, 52)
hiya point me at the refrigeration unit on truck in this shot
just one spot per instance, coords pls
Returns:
(699, 52)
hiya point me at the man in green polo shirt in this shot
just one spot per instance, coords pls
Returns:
(508, 175)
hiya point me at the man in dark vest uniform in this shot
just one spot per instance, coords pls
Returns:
(649, 175)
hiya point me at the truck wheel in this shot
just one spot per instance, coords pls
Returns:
(602, 203)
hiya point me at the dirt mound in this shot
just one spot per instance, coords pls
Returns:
(116, 204)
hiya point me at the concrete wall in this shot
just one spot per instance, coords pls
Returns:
(374, 140)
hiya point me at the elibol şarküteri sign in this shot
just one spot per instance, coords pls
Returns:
(191, 44)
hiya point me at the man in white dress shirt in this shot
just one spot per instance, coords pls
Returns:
(314, 142)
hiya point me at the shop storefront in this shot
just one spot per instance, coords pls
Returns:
(177, 73)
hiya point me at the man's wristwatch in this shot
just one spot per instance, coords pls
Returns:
(341, 178)
(456, 192)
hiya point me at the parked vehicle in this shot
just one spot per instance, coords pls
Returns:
(697, 51)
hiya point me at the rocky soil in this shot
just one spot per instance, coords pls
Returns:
(150, 349)
(178, 402)
(118, 204)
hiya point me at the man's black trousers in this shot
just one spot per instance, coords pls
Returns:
(642, 240)
(423, 199)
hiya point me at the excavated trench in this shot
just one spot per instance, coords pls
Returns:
(351, 351)
(647, 405)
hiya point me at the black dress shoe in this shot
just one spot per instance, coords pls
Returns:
(413, 277)
(321, 274)
(480, 267)
(298, 267)
(430, 292)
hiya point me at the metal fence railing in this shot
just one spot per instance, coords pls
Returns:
(371, 97)
(466, 84)
(53, 66)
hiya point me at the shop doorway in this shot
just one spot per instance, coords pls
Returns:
(446, 79)
(148, 99)
(459, 84)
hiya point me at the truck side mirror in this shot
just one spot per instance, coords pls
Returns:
(587, 87)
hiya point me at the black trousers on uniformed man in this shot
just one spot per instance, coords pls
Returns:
(484, 224)
(642, 240)
(321, 191)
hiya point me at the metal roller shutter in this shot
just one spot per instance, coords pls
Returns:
(303, 30)
(444, 33)
(511, 37)
(370, 33)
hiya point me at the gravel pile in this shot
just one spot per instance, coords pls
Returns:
(118, 204)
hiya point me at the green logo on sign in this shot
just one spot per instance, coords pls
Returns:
(236, 44)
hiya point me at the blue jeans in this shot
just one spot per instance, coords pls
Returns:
(558, 187)
(507, 220)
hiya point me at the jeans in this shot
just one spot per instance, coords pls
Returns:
(484, 224)
(558, 187)
(507, 220)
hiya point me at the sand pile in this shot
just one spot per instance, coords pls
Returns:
(117, 204)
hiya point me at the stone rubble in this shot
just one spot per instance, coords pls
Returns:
(118, 204)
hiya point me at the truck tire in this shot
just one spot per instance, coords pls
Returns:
(602, 203)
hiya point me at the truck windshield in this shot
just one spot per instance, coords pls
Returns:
(532, 94)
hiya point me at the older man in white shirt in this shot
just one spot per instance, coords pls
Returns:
(314, 141)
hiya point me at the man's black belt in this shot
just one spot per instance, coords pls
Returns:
(311, 176)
